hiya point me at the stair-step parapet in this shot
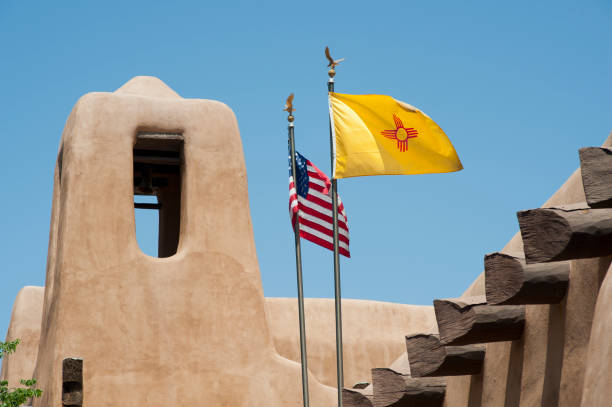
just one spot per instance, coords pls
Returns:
(356, 398)
(429, 358)
(596, 169)
(394, 389)
(566, 233)
(470, 320)
(509, 280)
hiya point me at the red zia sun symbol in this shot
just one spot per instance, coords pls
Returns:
(401, 134)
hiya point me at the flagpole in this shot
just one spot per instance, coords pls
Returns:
(298, 266)
(337, 293)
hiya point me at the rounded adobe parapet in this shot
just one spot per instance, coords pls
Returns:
(148, 86)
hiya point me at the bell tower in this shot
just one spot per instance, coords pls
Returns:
(187, 327)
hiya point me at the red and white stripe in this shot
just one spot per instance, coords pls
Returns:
(315, 212)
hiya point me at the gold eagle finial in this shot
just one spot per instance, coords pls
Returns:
(332, 63)
(289, 107)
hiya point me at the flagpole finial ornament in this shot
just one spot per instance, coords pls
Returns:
(289, 108)
(332, 63)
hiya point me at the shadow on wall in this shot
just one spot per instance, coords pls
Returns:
(547, 365)
(515, 374)
(475, 395)
(554, 356)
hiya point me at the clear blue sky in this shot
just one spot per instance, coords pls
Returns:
(517, 87)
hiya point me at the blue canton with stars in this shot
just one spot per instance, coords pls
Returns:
(301, 168)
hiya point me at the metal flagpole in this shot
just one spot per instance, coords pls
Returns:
(334, 191)
(298, 258)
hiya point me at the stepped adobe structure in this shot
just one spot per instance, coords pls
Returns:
(535, 329)
(113, 326)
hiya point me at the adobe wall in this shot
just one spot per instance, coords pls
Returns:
(547, 366)
(373, 334)
(25, 326)
(597, 390)
(149, 328)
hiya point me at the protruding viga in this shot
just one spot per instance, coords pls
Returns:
(189, 329)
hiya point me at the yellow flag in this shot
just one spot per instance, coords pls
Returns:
(378, 135)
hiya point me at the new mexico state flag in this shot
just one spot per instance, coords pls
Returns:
(378, 135)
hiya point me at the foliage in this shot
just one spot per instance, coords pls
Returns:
(8, 347)
(16, 397)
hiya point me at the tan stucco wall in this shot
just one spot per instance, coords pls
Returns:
(597, 390)
(373, 334)
(546, 367)
(185, 330)
(25, 326)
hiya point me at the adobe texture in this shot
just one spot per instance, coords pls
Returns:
(25, 326)
(152, 328)
(373, 334)
(189, 329)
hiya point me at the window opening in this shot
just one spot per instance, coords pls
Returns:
(158, 161)
(147, 224)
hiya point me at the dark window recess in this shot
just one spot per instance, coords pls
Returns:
(72, 382)
(157, 171)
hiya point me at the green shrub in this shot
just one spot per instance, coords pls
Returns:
(16, 397)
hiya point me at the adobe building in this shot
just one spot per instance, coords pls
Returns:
(192, 327)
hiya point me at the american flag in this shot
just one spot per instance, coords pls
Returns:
(313, 202)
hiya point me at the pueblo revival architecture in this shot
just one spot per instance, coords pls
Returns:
(115, 327)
